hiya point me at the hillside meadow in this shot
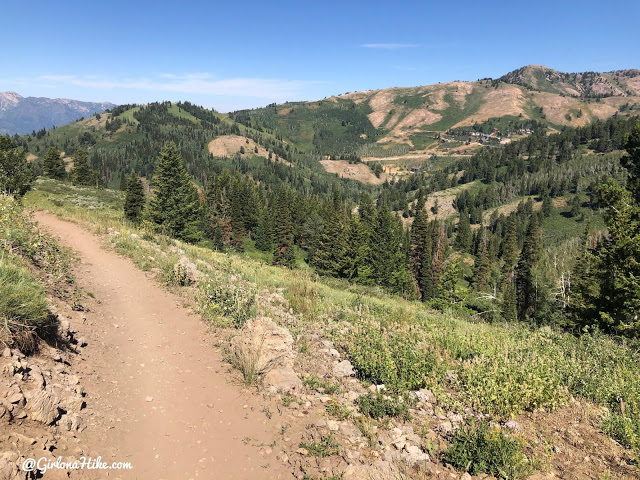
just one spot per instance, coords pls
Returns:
(495, 369)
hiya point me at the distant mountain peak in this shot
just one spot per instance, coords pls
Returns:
(22, 115)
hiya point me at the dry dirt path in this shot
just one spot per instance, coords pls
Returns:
(157, 392)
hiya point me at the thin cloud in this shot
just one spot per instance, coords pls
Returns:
(191, 83)
(390, 46)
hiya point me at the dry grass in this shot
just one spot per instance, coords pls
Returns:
(354, 171)
(229, 145)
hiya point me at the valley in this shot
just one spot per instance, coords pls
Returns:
(425, 282)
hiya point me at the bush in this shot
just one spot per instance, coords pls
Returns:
(227, 304)
(378, 405)
(478, 448)
(513, 382)
(395, 359)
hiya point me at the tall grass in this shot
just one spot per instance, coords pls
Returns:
(23, 305)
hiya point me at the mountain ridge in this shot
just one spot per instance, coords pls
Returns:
(23, 115)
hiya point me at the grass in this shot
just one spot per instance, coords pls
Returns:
(326, 447)
(31, 263)
(322, 385)
(23, 304)
(497, 369)
(247, 360)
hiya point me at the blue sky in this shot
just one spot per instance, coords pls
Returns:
(229, 55)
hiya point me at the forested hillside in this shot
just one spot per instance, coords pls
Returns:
(490, 277)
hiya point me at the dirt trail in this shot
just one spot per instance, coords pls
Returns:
(157, 393)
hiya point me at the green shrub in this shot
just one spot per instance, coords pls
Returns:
(396, 359)
(478, 448)
(378, 405)
(337, 410)
(513, 382)
(227, 304)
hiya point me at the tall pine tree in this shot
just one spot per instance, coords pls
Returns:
(53, 165)
(175, 204)
(82, 174)
(134, 198)
(526, 288)
(283, 232)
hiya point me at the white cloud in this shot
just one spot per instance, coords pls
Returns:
(390, 46)
(192, 83)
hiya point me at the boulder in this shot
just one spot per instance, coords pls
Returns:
(43, 406)
(379, 470)
(272, 346)
(343, 369)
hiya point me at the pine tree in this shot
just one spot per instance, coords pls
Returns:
(175, 203)
(439, 247)
(387, 257)
(526, 288)
(464, 237)
(510, 244)
(283, 234)
(16, 175)
(426, 284)
(419, 232)
(53, 165)
(583, 308)
(482, 265)
(82, 174)
(329, 256)
(134, 198)
(236, 203)
(547, 206)
(448, 291)
(357, 266)
(264, 230)
(509, 304)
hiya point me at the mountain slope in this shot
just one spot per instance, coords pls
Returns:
(413, 116)
(25, 114)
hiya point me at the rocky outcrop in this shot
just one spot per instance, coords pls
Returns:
(271, 348)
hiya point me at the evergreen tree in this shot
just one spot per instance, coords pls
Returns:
(16, 175)
(387, 256)
(53, 165)
(482, 264)
(526, 288)
(439, 248)
(426, 283)
(583, 308)
(134, 198)
(123, 181)
(510, 244)
(283, 234)
(609, 290)
(175, 203)
(329, 256)
(509, 304)
(237, 200)
(82, 174)
(419, 232)
(464, 237)
(547, 206)
(448, 291)
(357, 265)
(264, 230)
